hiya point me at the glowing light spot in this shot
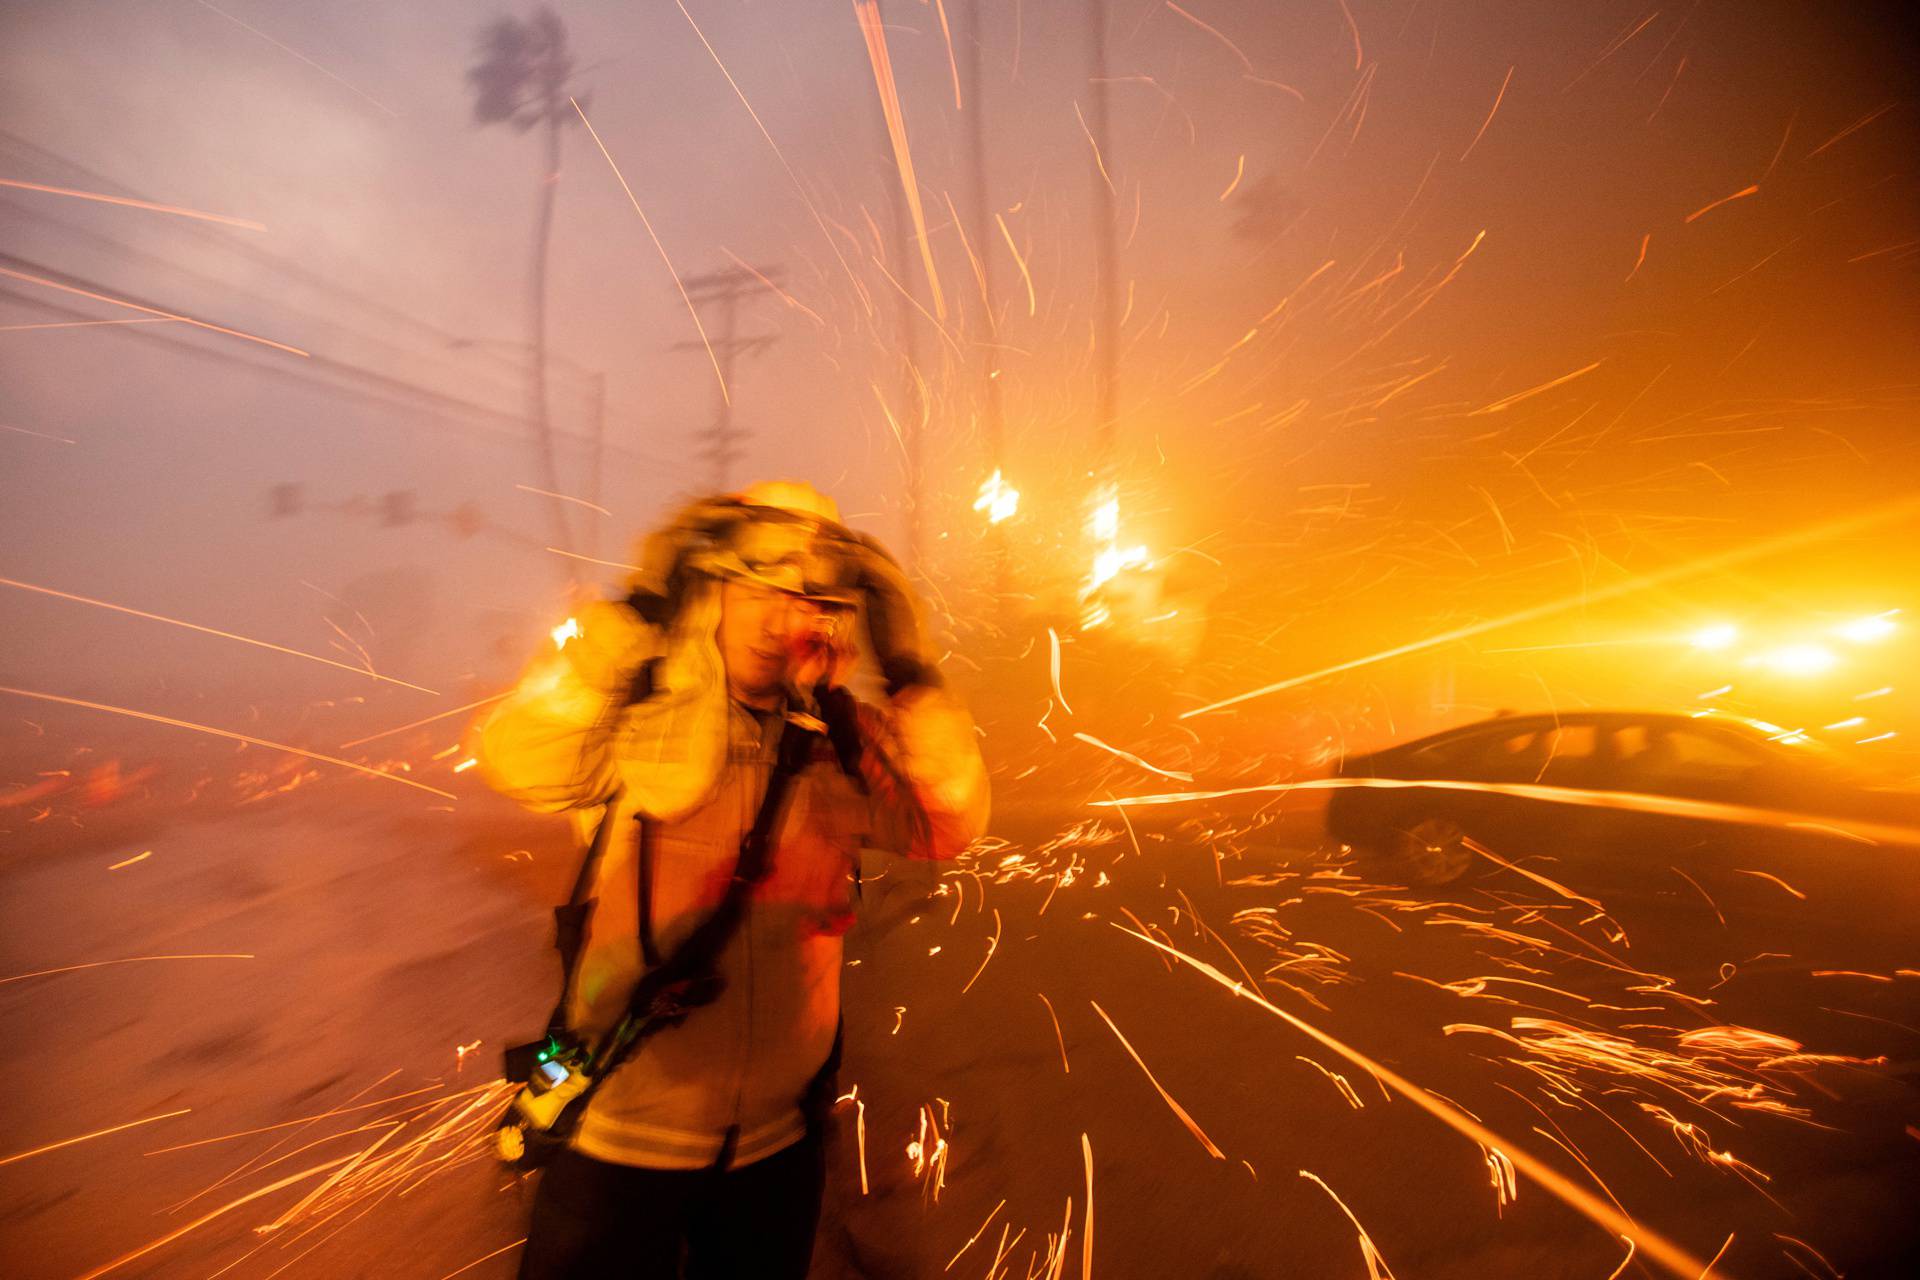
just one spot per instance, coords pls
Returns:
(1800, 660)
(568, 630)
(1718, 636)
(465, 765)
(997, 498)
(1867, 630)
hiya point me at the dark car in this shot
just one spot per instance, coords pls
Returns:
(1744, 813)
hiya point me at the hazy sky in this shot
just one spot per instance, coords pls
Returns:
(1448, 253)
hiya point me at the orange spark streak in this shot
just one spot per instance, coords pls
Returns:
(1239, 171)
(1053, 640)
(1716, 1257)
(1645, 240)
(575, 555)
(288, 1124)
(1887, 514)
(97, 964)
(1861, 123)
(135, 204)
(1662, 1250)
(565, 497)
(1099, 161)
(228, 733)
(773, 288)
(867, 12)
(154, 311)
(387, 733)
(477, 1261)
(138, 857)
(98, 1133)
(1776, 879)
(1232, 48)
(1377, 1268)
(1086, 1240)
(291, 52)
(1354, 28)
(1744, 191)
(212, 631)
(1275, 84)
(1490, 114)
(953, 67)
(1018, 261)
(799, 189)
(39, 435)
(661, 249)
(1058, 1038)
(82, 324)
(1166, 1097)
(1499, 405)
(993, 945)
(976, 1235)
(1175, 774)
(197, 1223)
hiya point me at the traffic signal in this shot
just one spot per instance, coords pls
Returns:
(397, 508)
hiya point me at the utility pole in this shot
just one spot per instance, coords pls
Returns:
(991, 409)
(724, 289)
(1107, 329)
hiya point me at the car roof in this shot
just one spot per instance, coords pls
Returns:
(1535, 721)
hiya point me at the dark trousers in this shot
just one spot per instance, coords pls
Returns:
(598, 1221)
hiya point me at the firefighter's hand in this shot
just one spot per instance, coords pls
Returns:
(894, 625)
(606, 642)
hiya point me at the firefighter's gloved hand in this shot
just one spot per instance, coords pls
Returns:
(608, 644)
(655, 586)
(894, 625)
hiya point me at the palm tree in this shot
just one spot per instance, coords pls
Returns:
(522, 80)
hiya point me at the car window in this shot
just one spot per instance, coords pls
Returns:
(1569, 752)
(1663, 757)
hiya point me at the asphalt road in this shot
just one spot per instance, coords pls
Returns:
(383, 934)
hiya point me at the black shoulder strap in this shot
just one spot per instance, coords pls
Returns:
(685, 978)
(570, 918)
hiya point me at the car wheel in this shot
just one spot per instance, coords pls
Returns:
(1429, 851)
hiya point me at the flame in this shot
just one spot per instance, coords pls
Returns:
(997, 498)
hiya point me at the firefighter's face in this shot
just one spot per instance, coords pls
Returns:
(760, 633)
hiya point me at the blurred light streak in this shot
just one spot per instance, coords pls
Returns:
(97, 1133)
(1353, 29)
(1861, 123)
(1615, 1274)
(1231, 47)
(295, 53)
(998, 499)
(975, 1236)
(138, 857)
(692, 311)
(228, 733)
(288, 1124)
(1638, 262)
(867, 13)
(1887, 514)
(82, 324)
(148, 205)
(1175, 774)
(1671, 1256)
(1377, 1268)
(1743, 192)
(1500, 405)
(1018, 261)
(1491, 112)
(415, 724)
(575, 555)
(1086, 1238)
(1708, 1271)
(993, 945)
(41, 435)
(1053, 641)
(1060, 1039)
(153, 311)
(477, 1261)
(1869, 629)
(1099, 162)
(1239, 172)
(799, 188)
(953, 65)
(100, 964)
(212, 631)
(1166, 1097)
(1718, 636)
(197, 1223)
(564, 497)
